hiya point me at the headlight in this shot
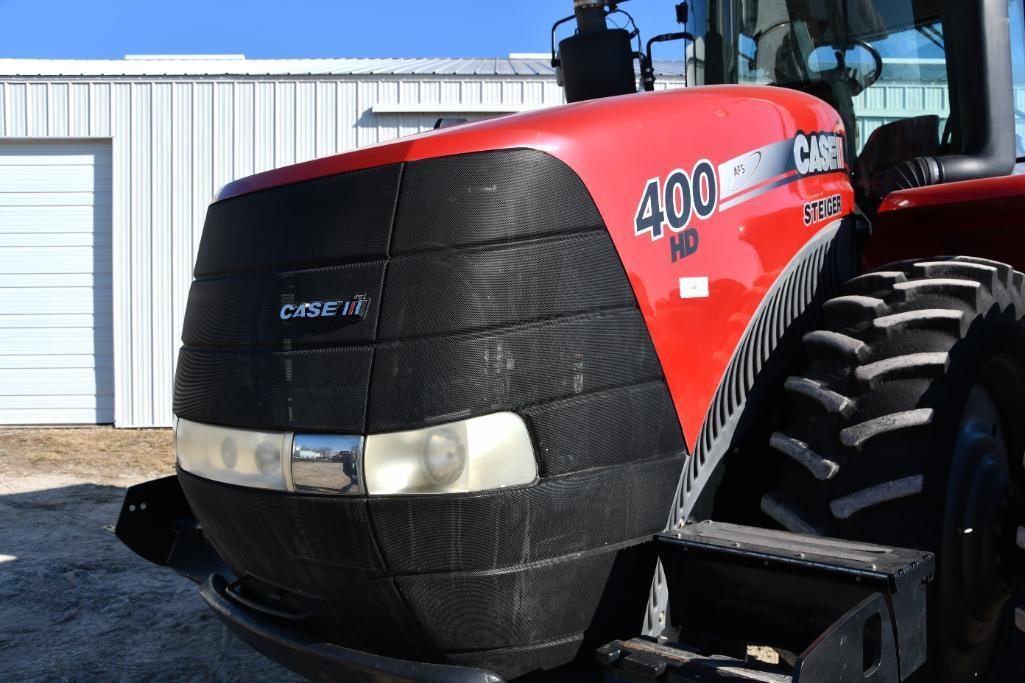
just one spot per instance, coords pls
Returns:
(234, 456)
(481, 453)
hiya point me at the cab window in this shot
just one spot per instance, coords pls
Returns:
(1017, 17)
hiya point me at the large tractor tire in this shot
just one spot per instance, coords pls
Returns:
(908, 429)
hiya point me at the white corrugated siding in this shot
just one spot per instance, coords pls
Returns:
(175, 141)
(56, 345)
(886, 102)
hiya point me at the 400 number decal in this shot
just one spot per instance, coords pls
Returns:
(670, 203)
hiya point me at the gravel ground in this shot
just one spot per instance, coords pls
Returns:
(77, 605)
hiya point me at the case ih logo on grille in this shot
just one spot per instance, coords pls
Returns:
(354, 309)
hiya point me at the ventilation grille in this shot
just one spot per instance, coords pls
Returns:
(468, 199)
(318, 222)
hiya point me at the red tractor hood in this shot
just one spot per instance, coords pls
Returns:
(751, 174)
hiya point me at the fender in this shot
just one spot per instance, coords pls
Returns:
(972, 218)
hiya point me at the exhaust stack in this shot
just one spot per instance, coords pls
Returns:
(596, 61)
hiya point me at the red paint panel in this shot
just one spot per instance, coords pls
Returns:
(956, 194)
(972, 218)
(617, 146)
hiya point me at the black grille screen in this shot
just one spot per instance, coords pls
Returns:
(246, 311)
(500, 285)
(317, 222)
(493, 286)
(636, 423)
(489, 196)
(499, 529)
(445, 377)
(287, 390)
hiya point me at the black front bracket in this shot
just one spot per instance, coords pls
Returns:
(157, 522)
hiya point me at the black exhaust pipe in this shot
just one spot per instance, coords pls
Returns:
(982, 135)
(590, 15)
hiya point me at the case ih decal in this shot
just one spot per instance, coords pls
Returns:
(668, 204)
(354, 309)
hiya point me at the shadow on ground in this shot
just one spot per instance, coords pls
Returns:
(76, 605)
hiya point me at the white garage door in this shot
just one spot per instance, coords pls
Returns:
(56, 342)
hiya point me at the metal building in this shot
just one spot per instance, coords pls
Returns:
(106, 169)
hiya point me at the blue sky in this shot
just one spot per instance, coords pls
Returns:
(106, 29)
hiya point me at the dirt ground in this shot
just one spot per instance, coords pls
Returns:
(75, 604)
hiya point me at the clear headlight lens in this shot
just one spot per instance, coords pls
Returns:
(477, 454)
(234, 456)
(488, 452)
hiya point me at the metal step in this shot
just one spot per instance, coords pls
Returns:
(855, 611)
(640, 659)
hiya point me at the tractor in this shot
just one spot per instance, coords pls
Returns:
(627, 387)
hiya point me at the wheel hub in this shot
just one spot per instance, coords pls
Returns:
(985, 510)
(987, 521)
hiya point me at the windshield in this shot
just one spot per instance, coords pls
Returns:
(875, 61)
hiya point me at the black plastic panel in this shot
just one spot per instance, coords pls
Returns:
(487, 197)
(245, 311)
(491, 607)
(606, 428)
(452, 291)
(317, 222)
(516, 661)
(248, 523)
(322, 389)
(420, 598)
(320, 547)
(495, 530)
(444, 378)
